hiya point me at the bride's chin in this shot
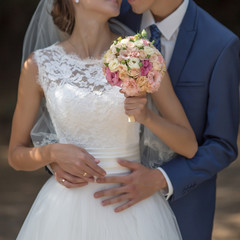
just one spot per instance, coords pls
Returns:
(114, 13)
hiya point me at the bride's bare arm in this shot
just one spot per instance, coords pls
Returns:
(172, 127)
(21, 155)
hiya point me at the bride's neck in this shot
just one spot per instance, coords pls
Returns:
(91, 37)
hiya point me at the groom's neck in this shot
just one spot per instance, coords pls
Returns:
(163, 8)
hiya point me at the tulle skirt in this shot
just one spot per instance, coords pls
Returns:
(59, 213)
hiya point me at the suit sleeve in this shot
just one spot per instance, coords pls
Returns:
(219, 147)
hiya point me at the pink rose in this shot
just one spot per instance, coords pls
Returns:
(154, 58)
(130, 87)
(134, 72)
(145, 42)
(113, 78)
(161, 59)
(154, 78)
(124, 54)
(142, 54)
(146, 67)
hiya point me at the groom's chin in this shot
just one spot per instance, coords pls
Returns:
(136, 8)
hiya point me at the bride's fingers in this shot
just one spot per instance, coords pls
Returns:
(87, 171)
(68, 184)
(76, 180)
(134, 106)
(62, 176)
(92, 164)
(135, 100)
(88, 155)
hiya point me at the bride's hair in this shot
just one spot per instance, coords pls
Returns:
(63, 15)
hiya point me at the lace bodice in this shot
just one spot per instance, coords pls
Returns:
(85, 109)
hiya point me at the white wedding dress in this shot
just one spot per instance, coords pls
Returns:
(88, 112)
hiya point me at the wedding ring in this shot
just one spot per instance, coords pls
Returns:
(85, 174)
(63, 180)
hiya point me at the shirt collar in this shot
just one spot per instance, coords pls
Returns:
(170, 24)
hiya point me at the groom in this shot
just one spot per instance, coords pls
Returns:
(204, 65)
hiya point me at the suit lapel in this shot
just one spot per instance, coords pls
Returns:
(184, 42)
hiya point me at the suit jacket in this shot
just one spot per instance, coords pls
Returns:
(205, 73)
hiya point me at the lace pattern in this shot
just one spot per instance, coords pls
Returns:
(57, 68)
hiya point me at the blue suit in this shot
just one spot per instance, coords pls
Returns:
(205, 73)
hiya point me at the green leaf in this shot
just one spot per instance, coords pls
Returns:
(119, 39)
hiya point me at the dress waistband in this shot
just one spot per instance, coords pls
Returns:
(108, 157)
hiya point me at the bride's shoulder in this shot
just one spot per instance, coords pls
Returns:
(42, 56)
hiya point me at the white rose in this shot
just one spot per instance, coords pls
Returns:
(134, 63)
(113, 65)
(139, 43)
(124, 41)
(109, 56)
(148, 50)
(114, 47)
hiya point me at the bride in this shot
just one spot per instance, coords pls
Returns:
(90, 119)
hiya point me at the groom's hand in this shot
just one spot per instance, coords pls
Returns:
(140, 184)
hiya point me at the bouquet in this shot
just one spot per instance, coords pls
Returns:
(135, 65)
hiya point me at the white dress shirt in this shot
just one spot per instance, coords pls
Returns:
(169, 27)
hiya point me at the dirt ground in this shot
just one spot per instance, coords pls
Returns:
(18, 191)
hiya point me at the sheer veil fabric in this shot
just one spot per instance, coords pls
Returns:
(41, 33)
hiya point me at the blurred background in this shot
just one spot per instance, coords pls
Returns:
(18, 189)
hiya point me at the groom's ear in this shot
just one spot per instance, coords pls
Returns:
(128, 17)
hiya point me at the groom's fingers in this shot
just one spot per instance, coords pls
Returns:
(126, 205)
(115, 200)
(113, 179)
(129, 164)
(111, 192)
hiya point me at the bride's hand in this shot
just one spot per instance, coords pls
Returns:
(137, 106)
(75, 161)
(68, 180)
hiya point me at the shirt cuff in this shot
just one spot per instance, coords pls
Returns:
(170, 186)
